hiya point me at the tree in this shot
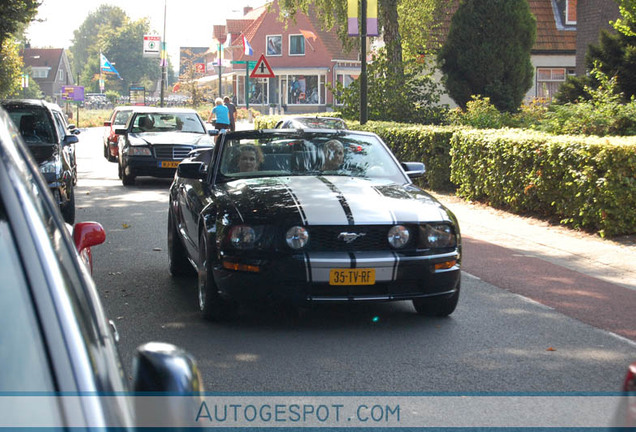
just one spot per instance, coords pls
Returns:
(487, 52)
(109, 30)
(615, 57)
(15, 15)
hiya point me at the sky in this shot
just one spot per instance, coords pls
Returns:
(188, 22)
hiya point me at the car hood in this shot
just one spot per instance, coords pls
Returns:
(43, 153)
(330, 200)
(172, 138)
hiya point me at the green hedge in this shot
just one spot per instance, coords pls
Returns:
(587, 182)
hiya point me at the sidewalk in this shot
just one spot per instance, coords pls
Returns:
(613, 261)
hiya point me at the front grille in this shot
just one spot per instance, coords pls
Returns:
(326, 238)
(172, 152)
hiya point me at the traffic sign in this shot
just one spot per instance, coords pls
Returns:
(152, 46)
(262, 69)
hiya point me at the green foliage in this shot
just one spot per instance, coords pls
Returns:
(603, 113)
(15, 14)
(487, 52)
(480, 113)
(627, 23)
(406, 98)
(10, 69)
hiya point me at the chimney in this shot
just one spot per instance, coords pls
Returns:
(247, 9)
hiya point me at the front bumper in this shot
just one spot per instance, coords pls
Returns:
(149, 166)
(304, 278)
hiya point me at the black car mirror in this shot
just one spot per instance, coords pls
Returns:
(162, 367)
(120, 131)
(213, 132)
(414, 169)
(70, 139)
(191, 170)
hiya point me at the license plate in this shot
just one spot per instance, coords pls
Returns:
(360, 276)
(169, 164)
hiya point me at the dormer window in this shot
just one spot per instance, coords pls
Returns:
(570, 12)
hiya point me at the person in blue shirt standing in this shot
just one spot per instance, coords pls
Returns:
(221, 115)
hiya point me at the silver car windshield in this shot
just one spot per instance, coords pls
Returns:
(351, 155)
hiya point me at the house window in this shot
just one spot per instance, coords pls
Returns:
(345, 80)
(60, 75)
(549, 80)
(258, 93)
(40, 72)
(570, 12)
(296, 45)
(274, 45)
(303, 89)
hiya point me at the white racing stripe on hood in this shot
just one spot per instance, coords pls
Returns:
(366, 203)
(318, 202)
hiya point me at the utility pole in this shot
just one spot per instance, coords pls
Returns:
(164, 54)
(363, 64)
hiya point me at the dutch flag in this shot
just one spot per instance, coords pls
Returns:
(247, 47)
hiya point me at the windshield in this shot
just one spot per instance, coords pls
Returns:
(167, 122)
(321, 123)
(309, 154)
(35, 126)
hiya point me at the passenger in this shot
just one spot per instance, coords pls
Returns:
(334, 155)
(250, 158)
(146, 124)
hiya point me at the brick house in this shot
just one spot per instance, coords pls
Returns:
(305, 60)
(51, 69)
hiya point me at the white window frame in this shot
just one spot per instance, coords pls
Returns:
(540, 83)
(568, 5)
(267, 53)
(290, 45)
(40, 72)
(60, 75)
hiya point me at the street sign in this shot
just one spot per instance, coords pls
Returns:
(250, 64)
(152, 46)
(262, 69)
(73, 93)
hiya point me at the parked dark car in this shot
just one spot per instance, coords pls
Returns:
(316, 122)
(155, 140)
(117, 120)
(51, 140)
(56, 339)
(310, 216)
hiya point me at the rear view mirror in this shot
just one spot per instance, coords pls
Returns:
(414, 169)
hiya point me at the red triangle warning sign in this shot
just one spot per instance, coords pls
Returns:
(262, 69)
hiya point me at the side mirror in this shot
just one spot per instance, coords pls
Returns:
(71, 139)
(414, 169)
(191, 170)
(162, 367)
(88, 234)
(213, 132)
(107, 123)
(120, 131)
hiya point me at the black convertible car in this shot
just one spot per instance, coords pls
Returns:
(310, 216)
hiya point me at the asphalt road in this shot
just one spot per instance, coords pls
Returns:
(496, 341)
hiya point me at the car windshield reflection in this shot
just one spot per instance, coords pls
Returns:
(167, 122)
(311, 154)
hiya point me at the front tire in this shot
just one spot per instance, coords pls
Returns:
(437, 306)
(127, 178)
(179, 265)
(212, 306)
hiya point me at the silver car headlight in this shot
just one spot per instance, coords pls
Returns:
(243, 237)
(139, 151)
(50, 167)
(439, 236)
(398, 236)
(297, 237)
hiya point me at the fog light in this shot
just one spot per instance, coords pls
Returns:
(445, 265)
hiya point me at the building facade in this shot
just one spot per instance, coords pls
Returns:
(51, 69)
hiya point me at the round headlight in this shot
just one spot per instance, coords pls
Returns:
(297, 237)
(439, 236)
(398, 236)
(242, 237)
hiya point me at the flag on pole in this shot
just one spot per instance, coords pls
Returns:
(372, 18)
(164, 55)
(309, 35)
(106, 67)
(247, 47)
